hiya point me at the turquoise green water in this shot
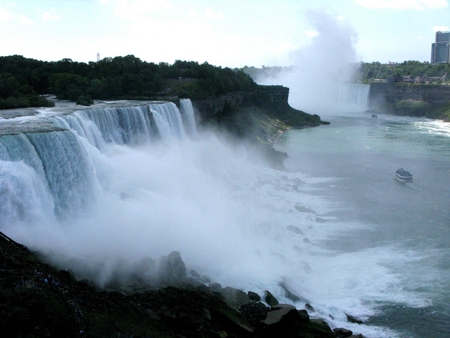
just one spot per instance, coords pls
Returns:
(359, 154)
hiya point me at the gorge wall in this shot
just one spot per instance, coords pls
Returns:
(261, 114)
(410, 99)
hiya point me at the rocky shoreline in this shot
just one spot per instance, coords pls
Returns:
(38, 300)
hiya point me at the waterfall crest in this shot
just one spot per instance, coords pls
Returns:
(54, 170)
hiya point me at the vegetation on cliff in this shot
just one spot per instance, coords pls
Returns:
(23, 80)
(397, 72)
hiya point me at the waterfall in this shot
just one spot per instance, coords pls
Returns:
(353, 97)
(54, 172)
(168, 120)
(188, 116)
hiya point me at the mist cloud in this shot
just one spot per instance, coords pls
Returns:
(330, 59)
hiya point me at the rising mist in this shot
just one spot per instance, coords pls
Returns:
(322, 67)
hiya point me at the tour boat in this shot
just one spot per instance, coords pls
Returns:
(403, 175)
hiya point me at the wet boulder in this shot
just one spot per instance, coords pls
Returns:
(270, 299)
(234, 297)
(281, 313)
(171, 268)
(340, 332)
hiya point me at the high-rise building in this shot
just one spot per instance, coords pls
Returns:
(440, 50)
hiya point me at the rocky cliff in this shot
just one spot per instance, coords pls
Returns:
(261, 114)
(38, 300)
(411, 99)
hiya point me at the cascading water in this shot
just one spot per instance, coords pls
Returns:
(353, 97)
(187, 115)
(53, 170)
(168, 120)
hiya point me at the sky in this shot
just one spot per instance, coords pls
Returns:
(232, 33)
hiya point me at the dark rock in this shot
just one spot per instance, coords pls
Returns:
(205, 279)
(255, 313)
(281, 312)
(153, 315)
(353, 319)
(340, 332)
(320, 322)
(167, 312)
(68, 275)
(171, 267)
(306, 240)
(269, 298)
(304, 209)
(289, 294)
(183, 311)
(294, 229)
(309, 307)
(235, 297)
(303, 316)
(207, 314)
(253, 296)
(215, 287)
(145, 267)
(195, 274)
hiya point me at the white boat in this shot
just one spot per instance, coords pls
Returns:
(403, 175)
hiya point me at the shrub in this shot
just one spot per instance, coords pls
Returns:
(84, 100)
(412, 107)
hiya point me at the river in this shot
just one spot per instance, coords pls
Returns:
(400, 230)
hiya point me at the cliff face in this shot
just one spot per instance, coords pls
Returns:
(261, 114)
(433, 94)
(410, 99)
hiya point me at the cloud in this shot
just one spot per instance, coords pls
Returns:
(49, 16)
(312, 33)
(24, 20)
(440, 28)
(210, 14)
(129, 9)
(4, 15)
(402, 4)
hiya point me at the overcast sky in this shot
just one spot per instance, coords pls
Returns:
(229, 33)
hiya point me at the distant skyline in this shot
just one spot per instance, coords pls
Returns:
(224, 33)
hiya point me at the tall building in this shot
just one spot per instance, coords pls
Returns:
(440, 50)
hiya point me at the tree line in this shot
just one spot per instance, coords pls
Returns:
(367, 72)
(395, 72)
(24, 81)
